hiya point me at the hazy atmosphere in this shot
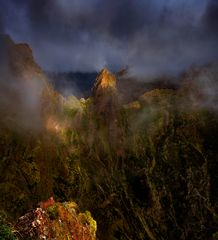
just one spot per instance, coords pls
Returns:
(109, 119)
(150, 36)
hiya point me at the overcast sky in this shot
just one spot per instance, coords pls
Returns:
(150, 36)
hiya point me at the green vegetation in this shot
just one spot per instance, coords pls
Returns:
(53, 212)
(146, 170)
(5, 230)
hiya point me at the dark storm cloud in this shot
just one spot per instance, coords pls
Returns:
(151, 36)
(116, 18)
(211, 17)
(1, 25)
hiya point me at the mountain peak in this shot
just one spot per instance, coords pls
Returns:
(105, 80)
(105, 95)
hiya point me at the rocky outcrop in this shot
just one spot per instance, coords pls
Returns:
(105, 95)
(53, 220)
(106, 107)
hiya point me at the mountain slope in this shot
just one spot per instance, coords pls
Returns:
(27, 157)
(158, 180)
(145, 170)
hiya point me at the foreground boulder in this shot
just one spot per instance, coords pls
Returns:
(54, 220)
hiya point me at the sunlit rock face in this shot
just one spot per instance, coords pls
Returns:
(105, 93)
(105, 80)
(106, 106)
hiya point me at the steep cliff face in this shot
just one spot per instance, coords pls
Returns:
(105, 95)
(106, 107)
(145, 170)
(28, 161)
(172, 165)
(159, 182)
